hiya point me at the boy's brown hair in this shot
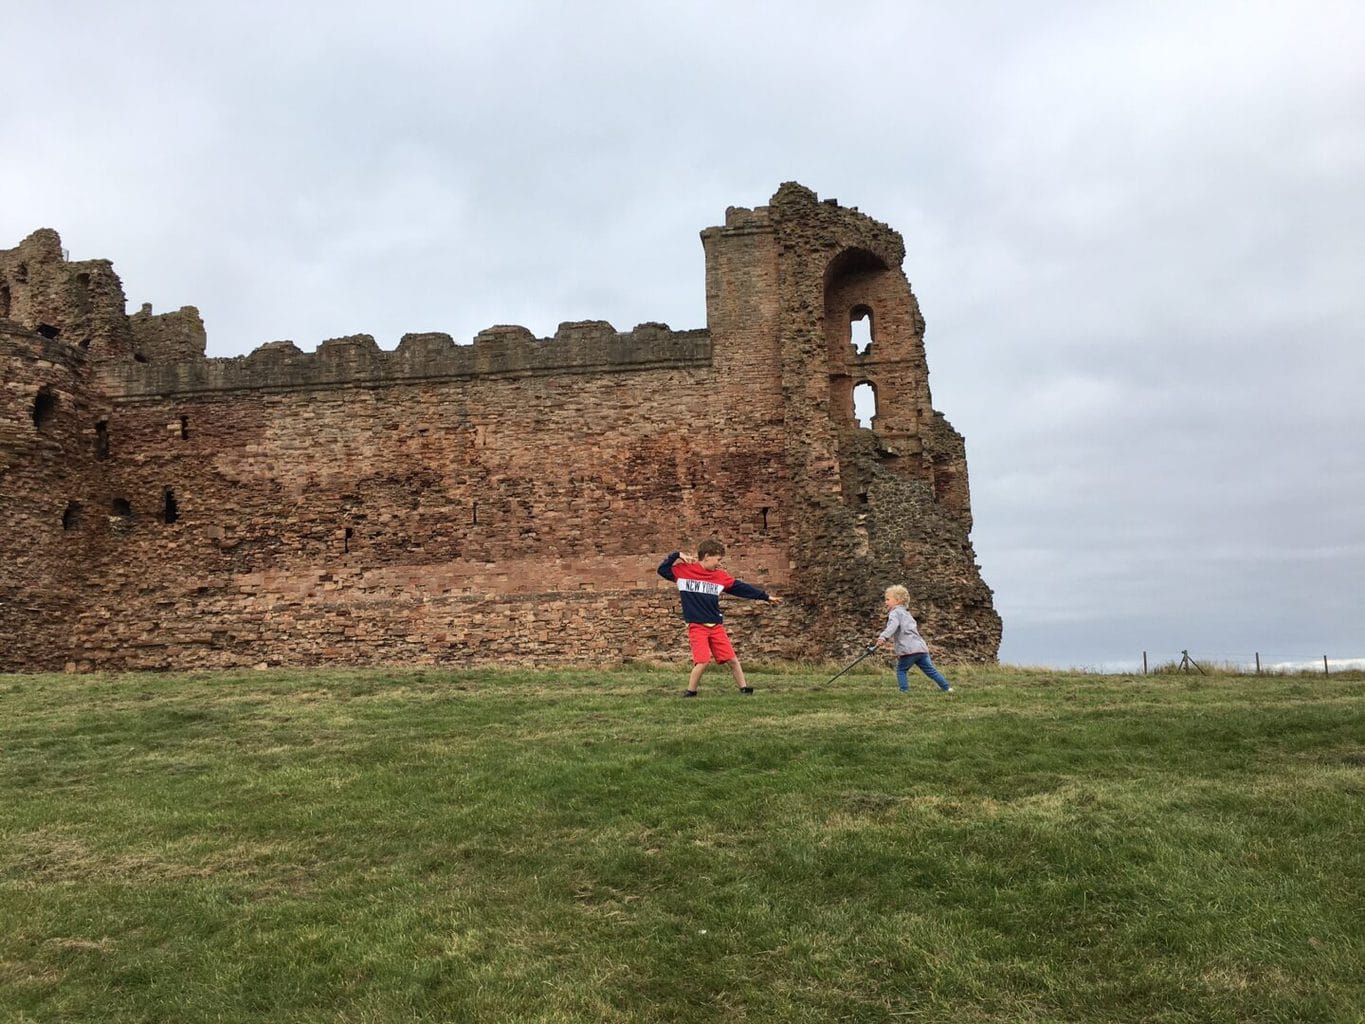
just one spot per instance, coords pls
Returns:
(710, 546)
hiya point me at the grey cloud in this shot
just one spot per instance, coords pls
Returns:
(1135, 233)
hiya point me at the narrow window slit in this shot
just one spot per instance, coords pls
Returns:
(44, 405)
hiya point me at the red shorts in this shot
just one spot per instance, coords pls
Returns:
(708, 642)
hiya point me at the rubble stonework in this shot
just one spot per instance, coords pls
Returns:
(504, 501)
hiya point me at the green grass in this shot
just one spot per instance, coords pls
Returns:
(370, 846)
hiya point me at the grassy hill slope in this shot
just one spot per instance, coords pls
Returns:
(587, 846)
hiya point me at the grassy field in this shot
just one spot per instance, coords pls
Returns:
(375, 846)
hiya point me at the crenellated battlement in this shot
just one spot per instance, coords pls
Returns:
(357, 361)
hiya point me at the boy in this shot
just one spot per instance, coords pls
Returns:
(700, 583)
(911, 650)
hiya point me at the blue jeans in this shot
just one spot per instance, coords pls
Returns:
(924, 663)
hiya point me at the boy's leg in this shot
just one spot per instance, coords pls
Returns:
(701, 654)
(903, 664)
(738, 673)
(724, 653)
(695, 677)
(926, 665)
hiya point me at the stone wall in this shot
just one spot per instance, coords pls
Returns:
(52, 504)
(504, 501)
(510, 519)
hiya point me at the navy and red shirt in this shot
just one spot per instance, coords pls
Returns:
(700, 588)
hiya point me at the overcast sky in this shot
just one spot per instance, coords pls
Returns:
(1136, 230)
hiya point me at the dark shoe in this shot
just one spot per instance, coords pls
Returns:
(746, 689)
(689, 693)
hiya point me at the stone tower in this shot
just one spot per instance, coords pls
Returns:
(877, 506)
(504, 501)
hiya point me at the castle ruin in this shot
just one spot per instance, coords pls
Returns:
(500, 502)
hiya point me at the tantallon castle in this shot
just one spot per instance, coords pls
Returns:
(504, 501)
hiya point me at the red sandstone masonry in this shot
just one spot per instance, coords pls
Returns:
(500, 502)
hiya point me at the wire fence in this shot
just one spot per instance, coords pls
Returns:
(1253, 662)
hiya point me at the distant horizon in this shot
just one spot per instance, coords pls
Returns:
(1130, 666)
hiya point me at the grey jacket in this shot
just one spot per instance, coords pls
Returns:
(901, 625)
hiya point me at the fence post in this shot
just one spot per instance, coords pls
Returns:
(1258, 663)
(1325, 670)
(1144, 663)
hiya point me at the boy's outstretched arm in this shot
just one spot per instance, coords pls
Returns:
(741, 589)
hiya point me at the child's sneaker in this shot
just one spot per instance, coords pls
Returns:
(746, 689)
(689, 693)
(950, 690)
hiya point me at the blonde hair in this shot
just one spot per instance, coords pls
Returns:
(899, 594)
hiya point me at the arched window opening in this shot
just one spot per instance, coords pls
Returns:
(864, 404)
(44, 405)
(346, 540)
(72, 517)
(123, 508)
(102, 439)
(765, 519)
(170, 511)
(860, 328)
(4, 300)
(184, 428)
